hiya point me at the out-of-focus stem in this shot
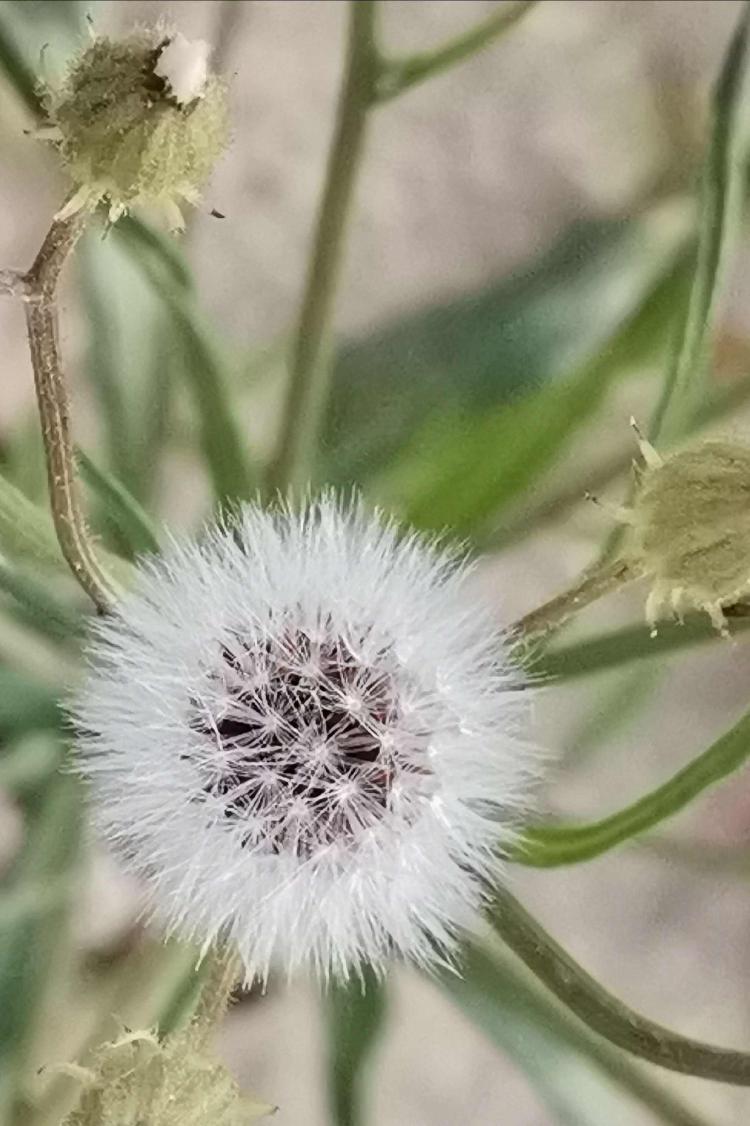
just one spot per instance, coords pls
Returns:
(309, 376)
(398, 75)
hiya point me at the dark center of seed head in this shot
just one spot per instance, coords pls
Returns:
(302, 741)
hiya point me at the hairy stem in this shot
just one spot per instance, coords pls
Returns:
(39, 295)
(398, 75)
(594, 584)
(309, 375)
(219, 980)
(602, 1011)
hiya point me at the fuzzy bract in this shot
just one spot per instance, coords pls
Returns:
(138, 121)
(690, 528)
(308, 738)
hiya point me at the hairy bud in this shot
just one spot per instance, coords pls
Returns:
(690, 528)
(139, 120)
(138, 1079)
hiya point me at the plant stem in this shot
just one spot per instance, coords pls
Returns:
(309, 375)
(602, 1011)
(398, 75)
(40, 291)
(556, 845)
(594, 584)
(219, 979)
(721, 199)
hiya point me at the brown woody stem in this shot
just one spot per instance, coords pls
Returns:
(38, 290)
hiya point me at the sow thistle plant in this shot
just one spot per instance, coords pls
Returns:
(301, 729)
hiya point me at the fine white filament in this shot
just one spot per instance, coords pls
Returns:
(307, 738)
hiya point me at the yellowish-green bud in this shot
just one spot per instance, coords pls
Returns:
(138, 1080)
(139, 121)
(690, 528)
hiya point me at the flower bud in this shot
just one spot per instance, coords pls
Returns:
(139, 120)
(690, 528)
(138, 1079)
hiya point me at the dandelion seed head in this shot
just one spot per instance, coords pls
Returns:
(308, 739)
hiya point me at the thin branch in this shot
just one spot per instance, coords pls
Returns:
(309, 376)
(602, 1011)
(601, 580)
(52, 398)
(398, 75)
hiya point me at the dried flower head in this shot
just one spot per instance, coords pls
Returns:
(138, 1079)
(309, 740)
(139, 120)
(690, 528)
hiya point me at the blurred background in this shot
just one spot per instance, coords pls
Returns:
(520, 245)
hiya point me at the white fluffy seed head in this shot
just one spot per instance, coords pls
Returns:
(308, 739)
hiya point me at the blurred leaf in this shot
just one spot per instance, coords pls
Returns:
(31, 941)
(26, 705)
(461, 475)
(204, 366)
(550, 846)
(28, 762)
(34, 604)
(437, 373)
(135, 527)
(12, 63)
(27, 530)
(721, 196)
(613, 709)
(36, 36)
(22, 457)
(574, 1071)
(355, 1013)
(126, 328)
(621, 646)
(134, 233)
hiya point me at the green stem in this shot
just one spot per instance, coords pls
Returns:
(310, 371)
(721, 198)
(397, 75)
(605, 1013)
(550, 847)
(503, 1000)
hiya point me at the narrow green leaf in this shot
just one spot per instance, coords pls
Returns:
(31, 941)
(138, 237)
(132, 522)
(204, 369)
(26, 530)
(574, 1071)
(622, 646)
(12, 63)
(549, 847)
(461, 471)
(355, 1013)
(34, 604)
(721, 198)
